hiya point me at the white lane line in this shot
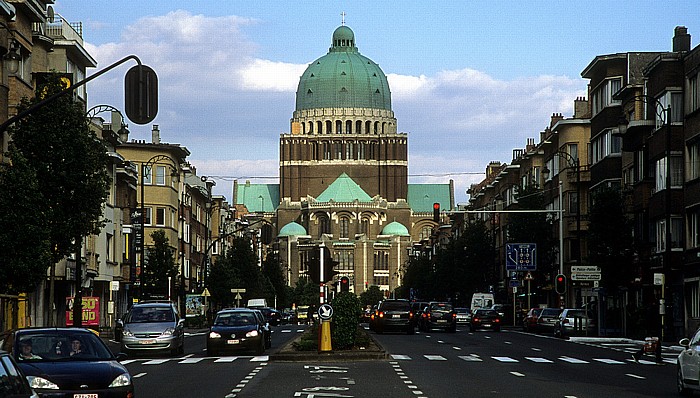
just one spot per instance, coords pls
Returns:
(609, 361)
(508, 342)
(156, 361)
(441, 342)
(457, 348)
(538, 360)
(286, 331)
(435, 357)
(572, 360)
(262, 358)
(505, 359)
(136, 376)
(128, 361)
(191, 360)
(536, 349)
(635, 376)
(517, 374)
(470, 358)
(226, 359)
(400, 357)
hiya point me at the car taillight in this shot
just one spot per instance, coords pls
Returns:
(564, 321)
(381, 314)
(410, 315)
(476, 319)
(497, 320)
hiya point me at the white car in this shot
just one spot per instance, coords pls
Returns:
(688, 377)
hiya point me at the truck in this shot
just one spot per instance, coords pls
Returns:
(257, 303)
(481, 300)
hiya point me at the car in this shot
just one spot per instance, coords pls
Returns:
(44, 355)
(548, 317)
(505, 311)
(463, 315)
(418, 306)
(236, 330)
(273, 316)
(485, 318)
(13, 382)
(438, 315)
(266, 327)
(303, 314)
(530, 319)
(688, 377)
(574, 321)
(153, 327)
(395, 315)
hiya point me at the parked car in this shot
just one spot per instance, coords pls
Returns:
(236, 330)
(438, 315)
(530, 319)
(153, 327)
(67, 362)
(395, 315)
(574, 321)
(485, 318)
(547, 319)
(688, 377)
(463, 315)
(13, 382)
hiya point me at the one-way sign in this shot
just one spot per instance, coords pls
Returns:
(325, 311)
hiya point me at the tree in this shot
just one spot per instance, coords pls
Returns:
(159, 265)
(371, 296)
(223, 277)
(272, 272)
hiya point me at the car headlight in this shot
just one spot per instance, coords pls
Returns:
(168, 332)
(122, 380)
(252, 333)
(214, 335)
(41, 383)
(126, 332)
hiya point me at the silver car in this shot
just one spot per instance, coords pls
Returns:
(149, 327)
(688, 372)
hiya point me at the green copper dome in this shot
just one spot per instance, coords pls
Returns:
(343, 78)
(292, 229)
(395, 228)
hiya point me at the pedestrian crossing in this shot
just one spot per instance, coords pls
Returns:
(195, 360)
(526, 359)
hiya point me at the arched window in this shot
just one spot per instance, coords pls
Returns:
(344, 224)
(338, 127)
(365, 226)
(329, 127)
(349, 154)
(324, 226)
(338, 150)
(326, 150)
(314, 151)
(348, 127)
(319, 126)
(361, 148)
(311, 127)
(368, 127)
(425, 232)
(358, 127)
(376, 127)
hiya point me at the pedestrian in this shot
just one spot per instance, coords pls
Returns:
(651, 344)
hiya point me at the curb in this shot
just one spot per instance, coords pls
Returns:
(288, 354)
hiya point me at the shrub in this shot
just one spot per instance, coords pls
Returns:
(346, 316)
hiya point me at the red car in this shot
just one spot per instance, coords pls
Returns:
(530, 319)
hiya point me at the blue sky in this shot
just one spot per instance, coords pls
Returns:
(470, 80)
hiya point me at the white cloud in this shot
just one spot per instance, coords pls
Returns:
(264, 75)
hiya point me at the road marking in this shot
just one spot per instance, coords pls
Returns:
(400, 357)
(507, 342)
(635, 376)
(226, 359)
(138, 375)
(609, 361)
(572, 360)
(457, 348)
(536, 349)
(517, 374)
(262, 358)
(156, 361)
(128, 361)
(538, 360)
(286, 331)
(470, 358)
(435, 357)
(191, 360)
(505, 359)
(441, 342)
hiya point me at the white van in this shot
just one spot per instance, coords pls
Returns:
(481, 300)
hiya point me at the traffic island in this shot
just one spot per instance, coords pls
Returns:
(305, 348)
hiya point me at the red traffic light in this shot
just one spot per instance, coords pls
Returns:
(436, 212)
(436, 206)
(345, 284)
(560, 284)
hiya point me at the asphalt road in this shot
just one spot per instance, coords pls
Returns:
(509, 363)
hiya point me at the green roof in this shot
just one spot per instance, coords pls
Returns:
(422, 196)
(344, 189)
(259, 197)
(292, 229)
(343, 78)
(395, 228)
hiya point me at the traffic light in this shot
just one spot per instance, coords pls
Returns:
(314, 266)
(345, 284)
(560, 284)
(328, 265)
(436, 212)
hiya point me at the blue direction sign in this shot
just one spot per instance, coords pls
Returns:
(521, 256)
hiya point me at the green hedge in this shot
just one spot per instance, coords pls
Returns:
(346, 316)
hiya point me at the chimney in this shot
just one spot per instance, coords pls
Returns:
(556, 117)
(581, 108)
(155, 134)
(681, 39)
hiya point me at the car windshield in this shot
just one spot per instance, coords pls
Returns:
(462, 310)
(550, 312)
(60, 346)
(235, 319)
(441, 307)
(150, 314)
(486, 313)
(395, 306)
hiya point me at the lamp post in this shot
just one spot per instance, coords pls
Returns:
(148, 165)
(664, 116)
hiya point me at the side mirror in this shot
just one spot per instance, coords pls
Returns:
(685, 342)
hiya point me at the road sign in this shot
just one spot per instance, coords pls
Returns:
(521, 256)
(585, 276)
(514, 283)
(205, 293)
(529, 277)
(585, 269)
(325, 311)
(237, 290)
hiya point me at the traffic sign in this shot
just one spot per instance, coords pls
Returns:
(237, 290)
(586, 276)
(521, 256)
(325, 311)
(514, 283)
(585, 268)
(529, 277)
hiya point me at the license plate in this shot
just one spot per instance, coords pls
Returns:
(140, 342)
(486, 325)
(442, 321)
(84, 395)
(396, 316)
(233, 341)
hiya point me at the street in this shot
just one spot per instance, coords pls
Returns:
(436, 364)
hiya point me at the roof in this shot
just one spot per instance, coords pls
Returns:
(258, 197)
(344, 189)
(292, 229)
(343, 78)
(422, 196)
(395, 228)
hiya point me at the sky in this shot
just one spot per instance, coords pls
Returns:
(470, 80)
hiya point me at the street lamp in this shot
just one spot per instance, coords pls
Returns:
(663, 115)
(144, 166)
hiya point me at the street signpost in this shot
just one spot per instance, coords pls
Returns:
(521, 256)
(238, 295)
(585, 273)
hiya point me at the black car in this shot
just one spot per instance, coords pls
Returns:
(485, 318)
(547, 319)
(236, 330)
(394, 315)
(13, 383)
(68, 362)
(438, 315)
(273, 316)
